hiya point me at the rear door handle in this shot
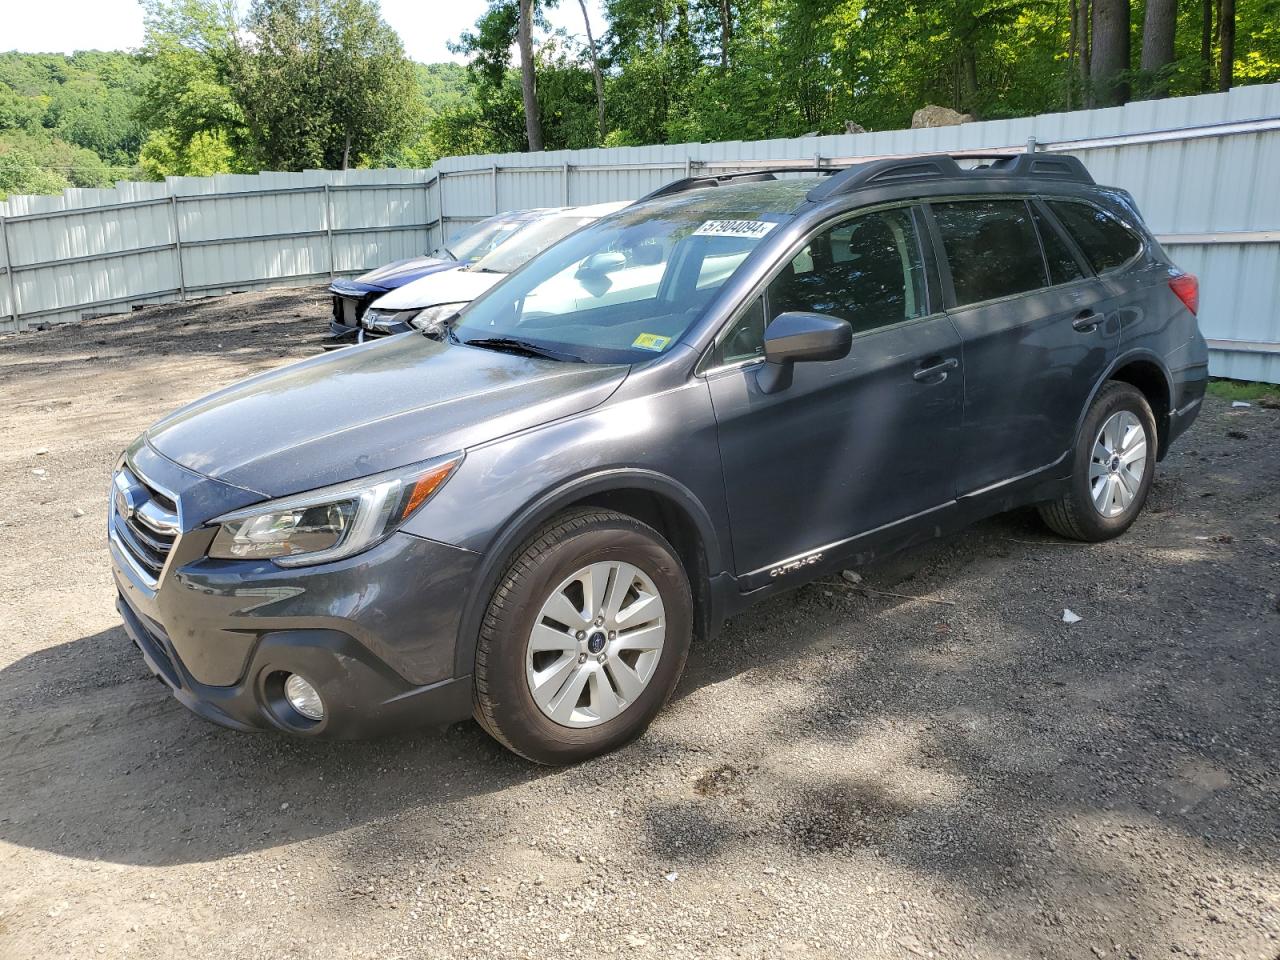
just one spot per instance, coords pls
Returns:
(1087, 321)
(936, 370)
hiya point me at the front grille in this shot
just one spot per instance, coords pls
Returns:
(349, 308)
(144, 520)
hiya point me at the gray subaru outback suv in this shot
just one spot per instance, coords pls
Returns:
(734, 386)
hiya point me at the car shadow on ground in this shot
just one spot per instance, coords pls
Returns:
(100, 762)
(1046, 768)
(986, 746)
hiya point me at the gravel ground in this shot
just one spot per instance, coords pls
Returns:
(842, 773)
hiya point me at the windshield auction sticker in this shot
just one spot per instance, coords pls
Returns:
(753, 229)
(651, 341)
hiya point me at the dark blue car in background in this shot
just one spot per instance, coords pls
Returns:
(351, 297)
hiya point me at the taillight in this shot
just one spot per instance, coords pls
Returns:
(1187, 287)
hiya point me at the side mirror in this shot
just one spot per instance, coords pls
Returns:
(800, 337)
(601, 264)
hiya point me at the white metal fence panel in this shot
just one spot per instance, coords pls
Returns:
(1205, 171)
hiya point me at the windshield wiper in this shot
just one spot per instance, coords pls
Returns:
(512, 345)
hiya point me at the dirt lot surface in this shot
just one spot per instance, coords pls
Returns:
(841, 774)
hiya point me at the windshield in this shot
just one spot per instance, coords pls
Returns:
(519, 248)
(473, 244)
(627, 287)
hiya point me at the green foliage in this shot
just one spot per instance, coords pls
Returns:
(322, 83)
(38, 162)
(86, 99)
(792, 67)
(1245, 390)
(442, 86)
(299, 84)
(186, 102)
(21, 172)
(166, 155)
(67, 121)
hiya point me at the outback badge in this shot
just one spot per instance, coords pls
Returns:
(791, 566)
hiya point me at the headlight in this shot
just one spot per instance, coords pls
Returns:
(432, 317)
(333, 522)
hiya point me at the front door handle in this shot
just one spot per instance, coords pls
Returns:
(934, 370)
(1087, 321)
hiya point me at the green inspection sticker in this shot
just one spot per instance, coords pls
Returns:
(651, 341)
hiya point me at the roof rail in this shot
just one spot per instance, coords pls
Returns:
(715, 180)
(943, 166)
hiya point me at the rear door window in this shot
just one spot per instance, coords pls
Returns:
(1063, 267)
(1106, 242)
(991, 247)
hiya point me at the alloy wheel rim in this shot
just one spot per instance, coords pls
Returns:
(595, 644)
(1118, 463)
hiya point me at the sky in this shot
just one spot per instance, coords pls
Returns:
(425, 26)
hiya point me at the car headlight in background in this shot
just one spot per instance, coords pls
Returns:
(333, 522)
(433, 318)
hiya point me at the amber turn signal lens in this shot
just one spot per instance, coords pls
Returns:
(425, 486)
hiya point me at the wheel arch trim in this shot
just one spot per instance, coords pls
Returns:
(522, 524)
(1125, 359)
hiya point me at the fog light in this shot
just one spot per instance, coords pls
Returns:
(303, 697)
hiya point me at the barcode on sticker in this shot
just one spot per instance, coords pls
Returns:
(754, 229)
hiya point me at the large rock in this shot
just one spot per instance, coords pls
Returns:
(932, 115)
(851, 127)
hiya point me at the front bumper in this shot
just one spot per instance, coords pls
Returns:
(362, 696)
(350, 301)
(374, 633)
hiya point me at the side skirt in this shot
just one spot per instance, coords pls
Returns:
(734, 594)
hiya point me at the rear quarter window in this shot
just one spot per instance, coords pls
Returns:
(991, 248)
(1107, 243)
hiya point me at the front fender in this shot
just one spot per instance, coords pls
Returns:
(524, 524)
(663, 444)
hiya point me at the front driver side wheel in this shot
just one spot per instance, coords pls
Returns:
(584, 639)
(1112, 467)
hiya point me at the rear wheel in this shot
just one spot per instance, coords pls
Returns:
(584, 639)
(1113, 466)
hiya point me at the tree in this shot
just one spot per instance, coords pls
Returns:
(21, 172)
(1226, 43)
(187, 102)
(497, 118)
(38, 162)
(205, 154)
(1158, 26)
(321, 83)
(597, 75)
(1109, 53)
(1206, 44)
(726, 32)
(528, 86)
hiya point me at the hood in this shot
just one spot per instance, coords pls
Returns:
(397, 274)
(370, 408)
(452, 286)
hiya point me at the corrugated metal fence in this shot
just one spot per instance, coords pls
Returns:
(1205, 171)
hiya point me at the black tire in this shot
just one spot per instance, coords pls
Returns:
(504, 704)
(1073, 514)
